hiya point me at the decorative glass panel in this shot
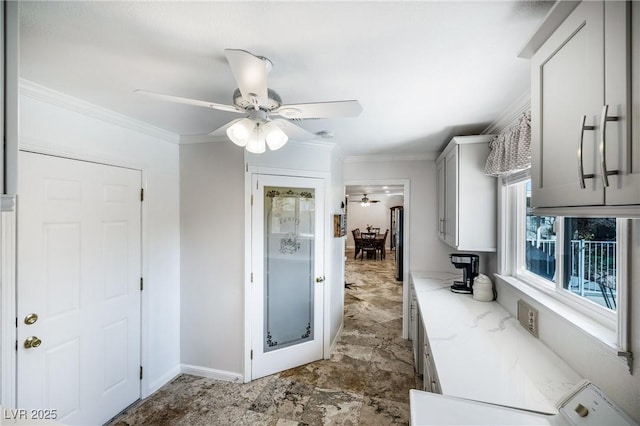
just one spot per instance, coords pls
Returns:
(590, 259)
(288, 266)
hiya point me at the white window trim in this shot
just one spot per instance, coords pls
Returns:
(609, 327)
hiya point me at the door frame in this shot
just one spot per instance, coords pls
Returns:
(406, 239)
(9, 263)
(326, 317)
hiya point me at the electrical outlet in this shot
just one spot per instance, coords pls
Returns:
(528, 317)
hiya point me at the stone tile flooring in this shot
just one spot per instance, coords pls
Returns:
(366, 381)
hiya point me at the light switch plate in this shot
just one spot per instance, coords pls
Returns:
(528, 317)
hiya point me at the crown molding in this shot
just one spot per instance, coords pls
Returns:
(388, 158)
(204, 138)
(510, 115)
(50, 96)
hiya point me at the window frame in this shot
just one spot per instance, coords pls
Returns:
(512, 208)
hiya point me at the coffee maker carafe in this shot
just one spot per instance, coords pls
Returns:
(469, 265)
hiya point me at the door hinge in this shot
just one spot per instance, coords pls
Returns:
(140, 372)
(252, 199)
(252, 277)
(251, 351)
(141, 284)
(16, 322)
(141, 194)
(16, 346)
(246, 167)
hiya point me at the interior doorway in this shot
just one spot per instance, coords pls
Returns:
(375, 204)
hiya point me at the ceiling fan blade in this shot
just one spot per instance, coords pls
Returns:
(250, 72)
(188, 101)
(294, 132)
(320, 110)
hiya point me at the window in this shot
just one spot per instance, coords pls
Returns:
(575, 260)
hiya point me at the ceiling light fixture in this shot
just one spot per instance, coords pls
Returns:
(257, 131)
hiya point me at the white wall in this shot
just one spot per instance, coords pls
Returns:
(54, 123)
(426, 252)
(377, 215)
(212, 253)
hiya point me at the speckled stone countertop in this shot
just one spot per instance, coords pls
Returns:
(483, 353)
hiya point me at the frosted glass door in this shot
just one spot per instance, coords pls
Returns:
(289, 234)
(287, 279)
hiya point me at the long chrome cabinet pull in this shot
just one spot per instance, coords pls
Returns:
(603, 145)
(581, 175)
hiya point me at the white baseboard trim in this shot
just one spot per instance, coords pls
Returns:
(212, 373)
(335, 341)
(161, 381)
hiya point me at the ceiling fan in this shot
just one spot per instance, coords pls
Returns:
(365, 201)
(257, 103)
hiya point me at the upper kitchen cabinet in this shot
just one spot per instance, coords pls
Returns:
(466, 196)
(583, 153)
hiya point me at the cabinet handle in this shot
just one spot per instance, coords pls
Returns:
(603, 145)
(581, 175)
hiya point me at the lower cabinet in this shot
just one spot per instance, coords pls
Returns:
(422, 357)
(416, 333)
(430, 375)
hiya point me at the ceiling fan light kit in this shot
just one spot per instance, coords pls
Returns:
(256, 131)
(252, 97)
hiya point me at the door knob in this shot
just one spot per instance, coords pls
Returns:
(320, 279)
(32, 342)
(30, 319)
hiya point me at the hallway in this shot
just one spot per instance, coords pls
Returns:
(366, 381)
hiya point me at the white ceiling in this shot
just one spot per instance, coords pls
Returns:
(422, 71)
(373, 191)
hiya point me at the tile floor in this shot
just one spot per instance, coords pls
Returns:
(365, 382)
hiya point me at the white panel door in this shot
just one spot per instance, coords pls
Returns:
(79, 271)
(287, 268)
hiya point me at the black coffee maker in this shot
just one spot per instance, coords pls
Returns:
(469, 264)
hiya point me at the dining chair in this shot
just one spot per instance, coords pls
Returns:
(382, 245)
(369, 245)
(356, 241)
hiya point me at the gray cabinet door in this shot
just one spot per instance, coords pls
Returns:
(567, 85)
(451, 197)
(441, 199)
(622, 151)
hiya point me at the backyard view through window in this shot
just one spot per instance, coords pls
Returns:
(588, 253)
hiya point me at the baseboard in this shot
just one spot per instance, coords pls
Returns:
(212, 373)
(163, 380)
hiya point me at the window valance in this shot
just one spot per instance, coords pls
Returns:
(511, 149)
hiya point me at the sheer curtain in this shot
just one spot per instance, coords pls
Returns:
(510, 151)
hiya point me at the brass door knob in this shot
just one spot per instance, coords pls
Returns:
(30, 319)
(32, 342)
(320, 279)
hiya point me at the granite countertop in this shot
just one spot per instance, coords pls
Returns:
(483, 353)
